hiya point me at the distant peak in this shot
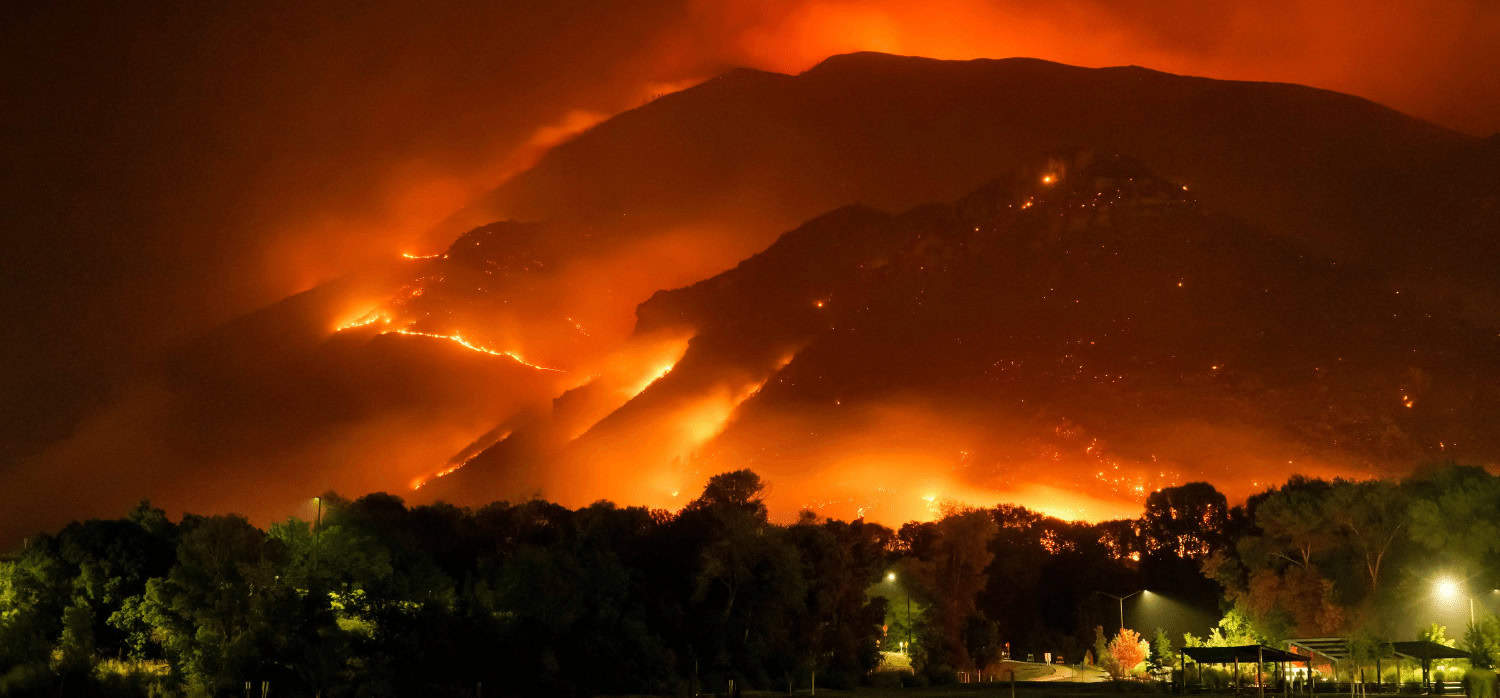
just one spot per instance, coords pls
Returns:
(859, 60)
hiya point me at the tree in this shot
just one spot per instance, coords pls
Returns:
(742, 490)
(1126, 651)
(1482, 640)
(748, 588)
(34, 590)
(1437, 633)
(1294, 520)
(842, 622)
(1454, 517)
(1186, 521)
(221, 608)
(947, 571)
(1162, 655)
(76, 645)
(1102, 658)
(1373, 515)
(1233, 630)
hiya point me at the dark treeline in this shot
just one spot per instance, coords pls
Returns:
(376, 598)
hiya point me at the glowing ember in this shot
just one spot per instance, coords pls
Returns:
(1050, 179)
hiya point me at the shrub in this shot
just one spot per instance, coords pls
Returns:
(1480, 683)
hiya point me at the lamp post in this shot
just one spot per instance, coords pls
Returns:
(891, 577)
(317, 531)
(1121, 599)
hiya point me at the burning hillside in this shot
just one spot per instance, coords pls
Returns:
(1080, 322)
(1066, 318)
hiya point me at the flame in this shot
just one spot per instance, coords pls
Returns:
(377, 316)
(453, 467)
(421, 482)
(655, 375)
(368, 318)
(460, 341)
(439, 255)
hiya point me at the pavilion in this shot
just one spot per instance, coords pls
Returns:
(1259, 655)
(1422, 652)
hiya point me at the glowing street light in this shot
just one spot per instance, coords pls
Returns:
(1121, 599)
(1448, 589)
(890, 577)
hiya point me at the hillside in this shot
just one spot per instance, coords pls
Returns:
(1082, 332)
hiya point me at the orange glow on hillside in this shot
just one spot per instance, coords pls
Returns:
(378, 317)
(460, 341)
(421, 482)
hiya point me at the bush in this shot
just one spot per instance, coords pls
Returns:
(28, 680)
(1480, 683)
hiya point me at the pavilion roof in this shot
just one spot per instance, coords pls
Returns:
(1337, 648)
(1427, 649)
(1242, 653)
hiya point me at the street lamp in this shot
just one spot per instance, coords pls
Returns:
(317, 531)
(1449, 589)
(1121, 599)
(891, 577)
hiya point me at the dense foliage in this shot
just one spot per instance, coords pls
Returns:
(378, 598)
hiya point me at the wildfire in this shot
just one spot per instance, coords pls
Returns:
(460, 341)
(378, 317)
(408, 255)
(652, 377)
(1049, 178)
(365, 320)
(421, 482)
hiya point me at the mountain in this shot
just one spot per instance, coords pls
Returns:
(525, 344)
(767, 151)
(1075, 334)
